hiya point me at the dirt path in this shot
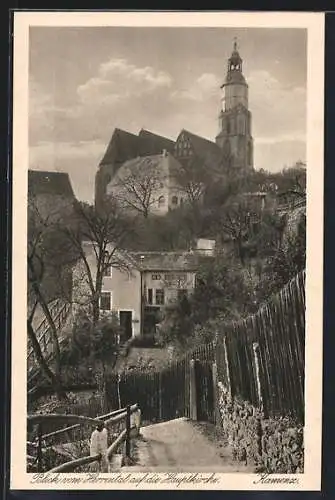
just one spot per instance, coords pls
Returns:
(180, 446)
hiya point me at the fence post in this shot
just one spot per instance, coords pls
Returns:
(215, 393)
(39, 448)
(128, 433)
(229, 388)
(193, 392)
(255, 347)
(160, 396)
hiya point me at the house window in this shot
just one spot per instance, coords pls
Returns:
(107, 268)
(174, 200)
(156, 277)
(107, 271)
(150, 295)
(106, 301)
(161, 201)
(182, 292)
(159, 297)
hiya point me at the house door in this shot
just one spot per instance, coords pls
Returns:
(126, 323)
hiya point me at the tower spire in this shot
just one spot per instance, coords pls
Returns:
(235, 43)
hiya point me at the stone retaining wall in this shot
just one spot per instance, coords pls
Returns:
(269, 444)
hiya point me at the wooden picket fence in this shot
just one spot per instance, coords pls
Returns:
(262, 358)
(259, 359)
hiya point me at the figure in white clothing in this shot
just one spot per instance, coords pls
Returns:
(99, 445)
(135, 420)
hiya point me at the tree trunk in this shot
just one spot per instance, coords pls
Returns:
(96, 298)
(45, 308)
(95, 311)
(54, 379)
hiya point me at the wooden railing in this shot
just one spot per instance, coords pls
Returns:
(287, 207)
(44, 338)
(59, 314)
(110, 419)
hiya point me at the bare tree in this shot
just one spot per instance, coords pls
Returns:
(139, 185)
(191, 179)
(104, 230)
(236, 221)
(39, 252)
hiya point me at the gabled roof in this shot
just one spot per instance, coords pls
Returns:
(166, 261)
(202, 147)
(182, 261)
(124, 146)
(148, 165)
(53, 183)
(154, 144)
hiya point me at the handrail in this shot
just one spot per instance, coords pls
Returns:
(37, 419)
(69, 466)
(59, 312)
(113, 447)
(120, 414)
(123, 436)
(117, 418)
(76, 426)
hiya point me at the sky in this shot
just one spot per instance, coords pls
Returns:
(84, 82)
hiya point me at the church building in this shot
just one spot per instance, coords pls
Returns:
(232, 149)
(234, 136)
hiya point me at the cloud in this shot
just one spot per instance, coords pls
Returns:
(120, 80)
(79, 160)
(277, 109)
(52, 154)
(276, 155)
(132, 97)
(297, 137)
(204, 88)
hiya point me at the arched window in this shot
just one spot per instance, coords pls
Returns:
(174, 200)
(161, 201)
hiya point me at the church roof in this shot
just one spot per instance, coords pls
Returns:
(154, 143)
(124, 145)
(53, 183)
(203, 147)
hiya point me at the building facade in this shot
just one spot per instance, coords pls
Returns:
(125, 146)
(138, 290)
(147, 185)
(232, 148)
(235, 135)
(50, 195)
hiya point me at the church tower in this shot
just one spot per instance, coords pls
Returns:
(234, 136)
